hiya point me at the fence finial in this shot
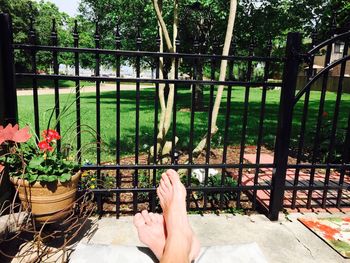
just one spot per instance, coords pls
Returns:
(177, 43)
(97, 32)
(75, 30)
(32, 32)
(54, 32)
(269, 45)
(314, 36)
(233, 46)
(334, 23)
(117, 36)
(196, 44)
(215, 44)
(252, 45)
(138, 38)
(53, 29)
(31, 23)
(158, 38)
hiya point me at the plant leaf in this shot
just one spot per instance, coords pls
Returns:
(42, 178)
(36, 161)
(32, 178)
(51, 178)
(64, 177)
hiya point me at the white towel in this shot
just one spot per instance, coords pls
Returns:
(242, 253)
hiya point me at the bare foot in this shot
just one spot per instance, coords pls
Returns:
(150, 228)
(172, 196)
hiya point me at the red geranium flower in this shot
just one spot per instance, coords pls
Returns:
(45, 146)
(50, 135)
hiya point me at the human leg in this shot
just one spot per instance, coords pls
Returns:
(181, 244)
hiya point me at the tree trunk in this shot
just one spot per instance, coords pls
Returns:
(167, 108)
(222, 77)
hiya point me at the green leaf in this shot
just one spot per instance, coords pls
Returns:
(42, 178)
(64, 177)
(36, 162)
(32, 178)
(51, 178)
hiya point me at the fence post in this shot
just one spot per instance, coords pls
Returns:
(8, 97)
(284, 127)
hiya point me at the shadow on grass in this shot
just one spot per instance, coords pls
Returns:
(128, 100)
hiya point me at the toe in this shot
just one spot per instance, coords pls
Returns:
(153, 217)
(163, 187)
(163, 192)
(173, 176)
(166, 181)
(146, 217)
(138, 220)
(161, 197)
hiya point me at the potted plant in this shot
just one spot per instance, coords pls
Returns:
(45, 179)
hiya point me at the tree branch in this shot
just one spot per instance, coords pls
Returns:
(162, 25)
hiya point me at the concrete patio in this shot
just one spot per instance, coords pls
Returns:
(284, 241)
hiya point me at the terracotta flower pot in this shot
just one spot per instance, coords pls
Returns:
(49, 202)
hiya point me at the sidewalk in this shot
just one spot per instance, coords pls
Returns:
(284, 241)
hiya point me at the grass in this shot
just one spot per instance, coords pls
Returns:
(26, 83)
(108, 119)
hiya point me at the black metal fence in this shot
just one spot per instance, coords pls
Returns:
(135, 179)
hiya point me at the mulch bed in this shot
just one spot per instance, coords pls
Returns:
(216, 157)
(196, 204)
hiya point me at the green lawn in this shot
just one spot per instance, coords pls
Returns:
(108, 118)
(26, 83)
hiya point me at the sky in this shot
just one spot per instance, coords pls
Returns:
(68, 6)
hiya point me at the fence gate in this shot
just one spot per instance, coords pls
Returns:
(314, 130)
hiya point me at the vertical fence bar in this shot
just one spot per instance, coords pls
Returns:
(137, 119)
(303, 124)
(245, 122)
(226, 132)
(290, 73)
(8, 98)
(346, 151)
(316, 146)
(192, 118)
(155, 127)
(209, 131)
(77, 90)
(117, 153)
(176, 73)
(32, 39)
(261, 120)
(334, 125)
(346, 160)
(98, 114)
(54, 42)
